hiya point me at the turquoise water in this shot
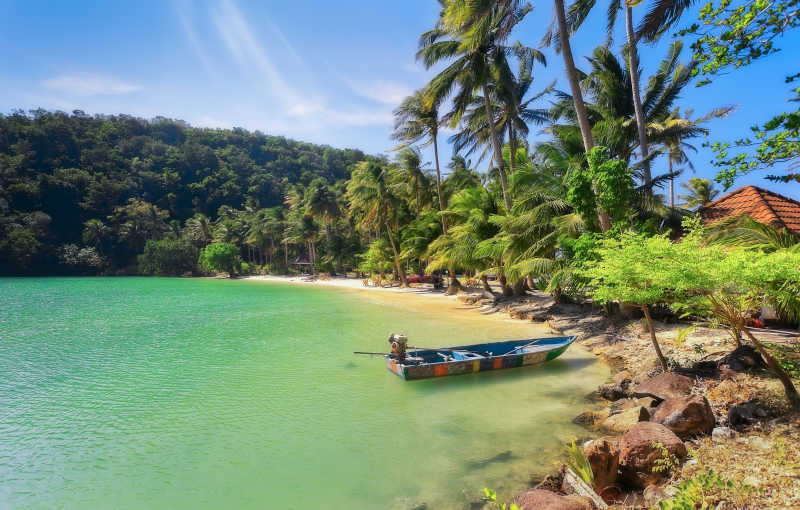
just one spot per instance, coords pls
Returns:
(134, 393)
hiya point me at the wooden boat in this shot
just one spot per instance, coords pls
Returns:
(466, 359)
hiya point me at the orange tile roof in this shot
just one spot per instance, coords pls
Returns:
(760, 204)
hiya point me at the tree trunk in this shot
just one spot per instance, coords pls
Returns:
(572, 77)
(498, 149)
(485, 282)
(511, 149)
(453, 285)
(519, 287)
(788, 386)
(633, 70)
(400, 272)
(671, 186)
(507, 291)
(286, 254)
(434, 136)
(416, 192)
(737, 336)
(577, 95)
(652, 328)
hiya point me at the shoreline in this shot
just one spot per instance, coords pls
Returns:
(414, 299)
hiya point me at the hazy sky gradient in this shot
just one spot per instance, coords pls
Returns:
(324, 72)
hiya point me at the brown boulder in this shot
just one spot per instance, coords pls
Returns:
(664, 386)
(628, 403)
(622, 422)
(685, 416)
(640, 453)
(537, 499)
(603, 456)
(590, 418)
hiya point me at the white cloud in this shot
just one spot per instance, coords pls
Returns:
(89, 85)
(381, 91)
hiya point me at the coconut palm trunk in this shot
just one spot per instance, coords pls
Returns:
(434, 137)
(572, 77)
(633, 70)
(577, 95)
(671, 186)
(399, 267)
(498, 150)
(512, 149)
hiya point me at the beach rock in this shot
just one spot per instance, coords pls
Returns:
(603, 455)
(623, 378)
(590, 418)
(664, 386)
(746, 414)
(742, 359)
(612, 391)
(624, 421)
(722, 433)
(685, 416)
(638, 453)
(628, 403)
(537, 499)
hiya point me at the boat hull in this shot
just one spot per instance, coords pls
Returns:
(411, 372)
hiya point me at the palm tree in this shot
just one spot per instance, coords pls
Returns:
(471, 210)
(372, 200)
(410, 161)
(322, 203)
(699, 193)
(515, 114)
(673, 133)
(417, 118)
(659, 18)
(461, 176)
(742, 230)
(473, 36)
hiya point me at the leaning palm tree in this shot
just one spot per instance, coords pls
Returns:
(417, 119)
(372, 200)
(473, 37)
(699, 192)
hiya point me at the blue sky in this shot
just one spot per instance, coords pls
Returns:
(324, 72)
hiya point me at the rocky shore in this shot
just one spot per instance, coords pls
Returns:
(714, 432)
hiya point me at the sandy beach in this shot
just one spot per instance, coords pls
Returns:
(419, 299)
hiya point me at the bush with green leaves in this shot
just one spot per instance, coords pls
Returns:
(699, 492)
(167, 257)
(221, 257)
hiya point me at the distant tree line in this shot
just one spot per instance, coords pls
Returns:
(84, 194)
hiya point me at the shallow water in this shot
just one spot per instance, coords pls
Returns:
(136, 393)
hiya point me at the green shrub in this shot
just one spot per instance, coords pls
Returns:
(167, 257)
(221, 257)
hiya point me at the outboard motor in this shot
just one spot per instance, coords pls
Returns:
(399, 343)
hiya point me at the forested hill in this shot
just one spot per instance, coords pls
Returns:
(59, 171)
